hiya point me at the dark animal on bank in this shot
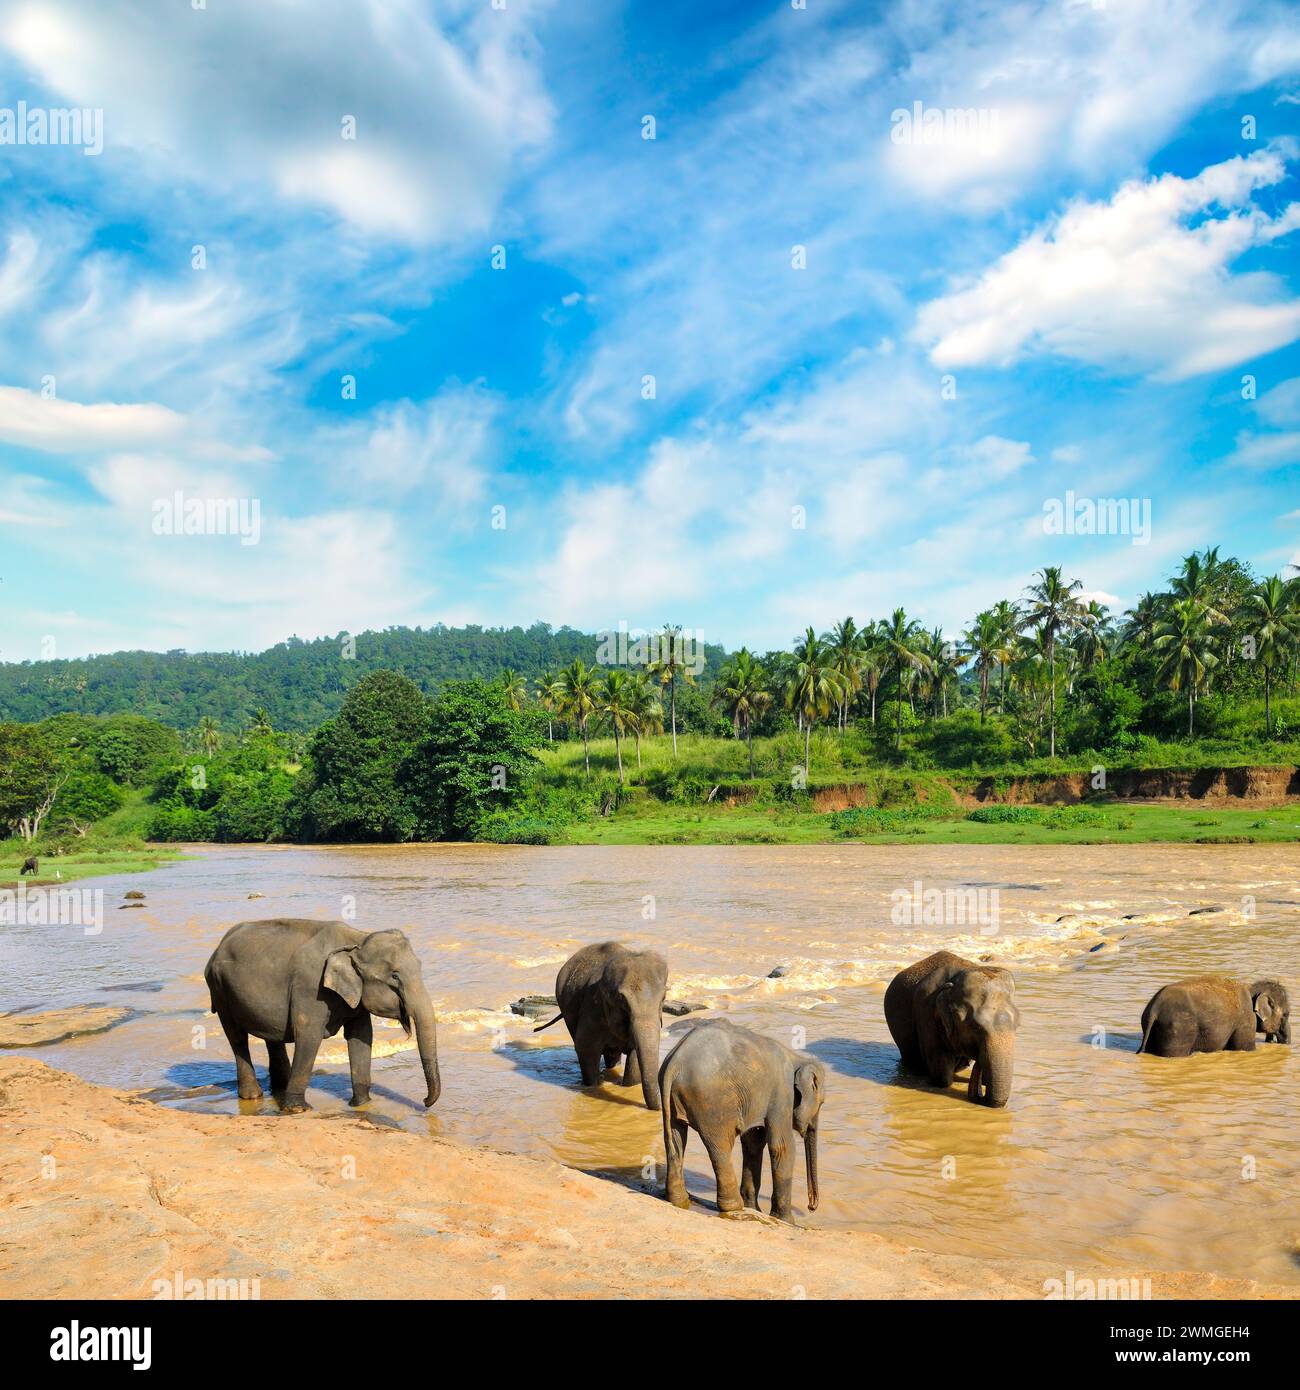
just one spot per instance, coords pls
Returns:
(1212, 1013)
(296, 980)
(31, 865)
(611, 1000)
(727, 1082)
(945, 1011)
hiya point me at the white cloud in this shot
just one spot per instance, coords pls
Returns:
(251, 96)
(1131, 284)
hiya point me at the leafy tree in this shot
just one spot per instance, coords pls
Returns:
(581, 684)
(476, 759)
(1053, 609)
(354, 789)
(1186, 651)
(742, 691)
(1272, 608)
(814, 686)
(515, 689)
(984, 642)
(900, 645)
(647, 712)
(31, 775)
(669, 667)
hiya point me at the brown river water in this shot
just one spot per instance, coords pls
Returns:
(1102, 1156)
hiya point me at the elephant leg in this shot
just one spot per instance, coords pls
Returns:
(720, 1156)
(1243, 1040)
(632, 1069)
(278, 1055)
(589, 1045)
(675, 1186)
(780, 1146)
(752, 1144)
(304, 1059)
(359, 1034)
(246, 1082)
(942, 1068)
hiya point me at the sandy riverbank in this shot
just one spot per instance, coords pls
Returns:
(139, 1192)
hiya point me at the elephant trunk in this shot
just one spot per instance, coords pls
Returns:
(1284, 1032)
(994, 1067)
(810, 1158)
(645, 1038)
(426, 1033)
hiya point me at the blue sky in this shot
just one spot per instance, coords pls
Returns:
(1066, 292)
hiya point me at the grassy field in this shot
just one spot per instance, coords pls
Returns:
(115, 845)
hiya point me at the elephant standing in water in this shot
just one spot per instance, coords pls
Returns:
(945, 1011)
(727, 1082)
(611, 1000)
(1212, 1013)
(295, 980)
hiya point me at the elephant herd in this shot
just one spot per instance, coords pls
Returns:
(296, 980)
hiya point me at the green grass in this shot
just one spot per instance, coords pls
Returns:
(114, 845)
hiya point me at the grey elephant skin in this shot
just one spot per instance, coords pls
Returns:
(1213, 1013)
(611, 1000)
(297, 980)
(726, 1083)
(944, 1012)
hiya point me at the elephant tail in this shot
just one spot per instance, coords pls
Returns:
(666, 1079)
(1147, 1024)
(542, 1027)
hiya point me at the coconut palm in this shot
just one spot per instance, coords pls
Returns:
(1093, 637)
(945, 664)
(1272, 612)
(984, 642)
(1185, 646)
(668, 667)
(1009, 620)
(845, 641)
(1202, 581)
(581, 688)
(550, 695)
(613, 703)
(1054, 609)
(814, 688)
(209, 735)
(260, 722)
(741, 690)
(900, 644)
(647, 712)
(515, 689)
(1140, 621)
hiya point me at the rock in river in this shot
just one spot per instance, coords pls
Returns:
(35, 1030)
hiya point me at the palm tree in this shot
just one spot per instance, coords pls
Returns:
(741, 691)
(1009, 623)
(1053, 609)
(846, 646)
(1202, 581)
(669, 666)
(515, 689)
(647, 712)
(814, 686)
(581, 687)
(1140, 626)
(1092, 641)
(945, 664)
(900, 645)
(871, 663)
(261, 722)
(613, 701)
(1186, 648)
(550, 694)
(209, 734)
(984, 642)
(1272, 609)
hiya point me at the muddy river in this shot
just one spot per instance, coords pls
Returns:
(1102, 1155)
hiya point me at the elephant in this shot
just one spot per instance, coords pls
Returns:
(611, 1000)
(31, 865)
(945, 1011)
(1212, 1013)
(298, 980)
(725, 1081)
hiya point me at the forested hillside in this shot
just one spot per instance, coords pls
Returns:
(297, 684)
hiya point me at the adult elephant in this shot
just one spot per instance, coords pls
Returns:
(297, 980)
(727, 1082)
(1212, 1013)
(945, 1011)
(31, 865)
(611, 1000)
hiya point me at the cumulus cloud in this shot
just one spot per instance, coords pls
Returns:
(243, 94)
(1141, 283)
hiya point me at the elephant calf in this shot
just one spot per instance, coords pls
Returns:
(611, 1000)
(727, 1082)
(30, 866)
(296, 980)
(945, 1011)
(1212, 1013)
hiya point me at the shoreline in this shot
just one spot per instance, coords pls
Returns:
(318, 1206)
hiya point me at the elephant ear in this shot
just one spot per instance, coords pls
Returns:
(1265, 1008)
(806, 1098)
(341, 976)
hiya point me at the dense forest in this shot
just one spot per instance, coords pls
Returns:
(298, 684)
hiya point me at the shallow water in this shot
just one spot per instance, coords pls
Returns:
(1102, 1156)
